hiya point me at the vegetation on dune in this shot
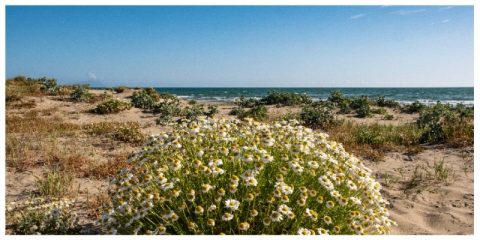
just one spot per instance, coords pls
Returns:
(361, 105)
(285, 98)
(247, 102)
(384, 102)
(111, 106)
(120, 89)
(144, 99)
(319, 115)
(245, 178)
(372, 141)
(414, 107)
(42, 216)
(446, 124)
(258, 112)
(239, 174)
(129, 132)
(80, 93)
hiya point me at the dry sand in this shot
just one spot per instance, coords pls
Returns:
(433, 207)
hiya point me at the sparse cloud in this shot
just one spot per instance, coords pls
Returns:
(408, 12)
(358, 16)
(92, 76)
(445, 21)
(445, 8)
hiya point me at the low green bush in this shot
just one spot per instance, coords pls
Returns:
(120, 89)
(49, 85)
(258, 113)
(111, 106)
(361, 105)
(318, 115)
(129, 134)
(247, 102)
(414, 107)
(80, 93)
(143, 99)
(337, 97)
(446, 124)
(286, 98)
(390, 103)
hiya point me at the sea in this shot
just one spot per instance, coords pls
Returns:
(464, 95)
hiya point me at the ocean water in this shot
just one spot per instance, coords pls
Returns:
(402, 95)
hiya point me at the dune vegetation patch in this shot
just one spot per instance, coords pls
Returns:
(244, 177)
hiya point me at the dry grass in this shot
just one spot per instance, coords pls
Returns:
(425, 176)
(373, 141)
(20, 104)
(108, 169)
(129, 132)
(94, 205)
(54, 183)
(32, 124)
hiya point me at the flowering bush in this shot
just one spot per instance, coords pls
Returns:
(244, 177)
(41, 216)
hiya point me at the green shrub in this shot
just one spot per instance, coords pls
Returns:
(247, 102)
(432, 121)
(167, 108)
(414, 107)
(80, 93)
(142, 99)
(129, 134)
(345, 106)
(42, 216)
(258, 113)
(443, 123)
(211, 111)
(120, 89)
(361, 106)
(193, 112)
(319, 115)
(192, 102)
(286, 98)
(49, 85)
(167, 111)
(463, 111)
(237, 111)
(390, 103)
(168, 97)
(111, 106)
(336, 97)
(153, 93)
(369, 135)
(233, 177)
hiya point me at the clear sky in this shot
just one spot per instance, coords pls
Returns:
(349, 46)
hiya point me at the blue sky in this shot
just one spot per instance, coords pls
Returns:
(313, 46)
